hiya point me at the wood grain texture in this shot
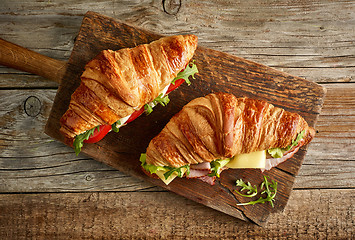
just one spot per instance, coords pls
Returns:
(309, 215)
(218, 72)
(310, 39)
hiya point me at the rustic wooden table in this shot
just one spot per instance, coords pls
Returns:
(46, 192)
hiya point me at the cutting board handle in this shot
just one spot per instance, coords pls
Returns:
(14, 56)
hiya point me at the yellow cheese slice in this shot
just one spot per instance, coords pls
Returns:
(160, 174)
(248, 160)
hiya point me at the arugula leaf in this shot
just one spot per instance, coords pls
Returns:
(169, 170)
(148, 109)
(279, 152)
(252, 191)
(162, 100)
(216, 165)
(114, 126)
(295, 142)
(190, 70)
(270, 191)
(79, 139)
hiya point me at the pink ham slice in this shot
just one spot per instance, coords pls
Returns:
(201, 166)
(208, 179)
(200, 171)
(196, 173)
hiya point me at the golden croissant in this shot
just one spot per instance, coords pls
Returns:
(116, 84)
(221, 127)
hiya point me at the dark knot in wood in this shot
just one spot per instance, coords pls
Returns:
(32, 106)
(171, 7)
(88, 178)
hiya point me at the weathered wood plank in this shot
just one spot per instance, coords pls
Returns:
(332, 150)
(323, 214)
(30, 161)
(301, 38)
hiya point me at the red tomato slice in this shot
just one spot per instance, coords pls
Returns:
(104, 129)
(135, 115)
(98, 135)
(176, 85)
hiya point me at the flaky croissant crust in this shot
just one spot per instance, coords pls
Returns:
(116, 83)
(220, 126)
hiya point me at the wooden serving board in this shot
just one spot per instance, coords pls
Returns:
(218, 71)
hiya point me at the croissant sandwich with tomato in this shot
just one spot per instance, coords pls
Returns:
(220, 131)
(118, 86)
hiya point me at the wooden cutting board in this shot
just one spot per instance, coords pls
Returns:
(218, 71)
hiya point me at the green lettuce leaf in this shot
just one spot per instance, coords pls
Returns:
(169, 170)
(177, 170)
(279, 152)
(79, 139)
(276, 152)
(149, 167)
(216, 165)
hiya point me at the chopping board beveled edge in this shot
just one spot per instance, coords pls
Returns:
(218, 72)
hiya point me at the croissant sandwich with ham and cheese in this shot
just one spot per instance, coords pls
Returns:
(220, 131)
(118, 86)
